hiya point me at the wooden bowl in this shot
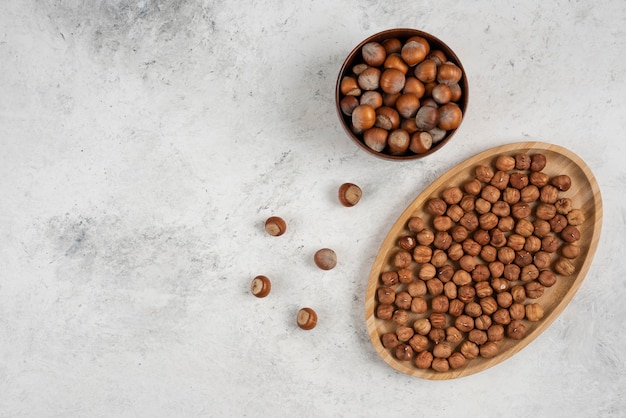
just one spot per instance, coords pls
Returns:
(585, 195)
(355, 58)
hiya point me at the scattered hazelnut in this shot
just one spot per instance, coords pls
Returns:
(307, 318)
(570, 251)
(547, 278)
(570, 234)
(389, 340)
(326, 259)
(275, 226)
(389, 278)
(386, 295)
(349, 194)
(489, 350)
(400, 317)
(537, 162)
(422, 326)
(385, 311)
(404, 352)
(402, 259)
(505, 163)
(534, 290)
(437, 335)
(469, 349)
(260, 286)
(453, 335)
(564, 267)
(440, 365)
(442, 350)
(575, 217)
(534, 312)
(495, 332)
(562, 182)
(404, 333)
(457, 360)
(424, 360)
(516, 330)
(419, 343)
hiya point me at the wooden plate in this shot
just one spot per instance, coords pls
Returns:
(584, 194)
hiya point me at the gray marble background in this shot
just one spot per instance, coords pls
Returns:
(143, 144)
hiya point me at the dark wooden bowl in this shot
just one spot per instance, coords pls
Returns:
(355, 58)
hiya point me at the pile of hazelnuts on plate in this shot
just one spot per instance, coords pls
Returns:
(403, 97)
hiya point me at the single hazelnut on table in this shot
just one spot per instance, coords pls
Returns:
(260, 286)
(349, 194)
(275, 226)
(326, 259)
(307, 318)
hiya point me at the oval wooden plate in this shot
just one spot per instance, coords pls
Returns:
(585, 195)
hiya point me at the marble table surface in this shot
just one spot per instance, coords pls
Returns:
(144, 143)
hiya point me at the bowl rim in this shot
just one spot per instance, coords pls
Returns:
(353, 56)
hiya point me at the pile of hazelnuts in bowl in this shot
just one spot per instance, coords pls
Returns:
(401, 94)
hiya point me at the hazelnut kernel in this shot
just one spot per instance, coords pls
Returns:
(489, 350)
(534, 312)
(424, 360)
(440, 365)
(404, 352)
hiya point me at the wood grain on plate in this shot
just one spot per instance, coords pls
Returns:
(585, 195)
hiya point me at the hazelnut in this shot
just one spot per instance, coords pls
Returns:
(437, 320)
(425, 237)
(427, 118)
(542, 228)
(404, 352)
(505, 163)
(529, 272)
(489, 350)
(427, 271)
(462, 277)
(505, 299)
(557, 223)
(495, 332)
(542, 259)
(389, 278)
(417, 288)
(483, 322)
(445, 273)
(518, 293)
(534, 290)
(326, 259)
(521, 210)
(455, 252)
(516, 242)
(549, 194)
(524, 227)
(416, 224)
(547, 278)
(518, 180)
(422, 326)
(390, 340)
(562, 182)
(498, 239)
(570, 251)
(550, 243)
(450, 291)
(468, 203)
(374, 54)
(384, 311)
(489, 305)
(402, 259)
(349, 194)
(453, 335)
(472, 187)
(545, 211)
(511, 195)
(532, 244)
(496, 268)
(489, 253)
(404, 333)
(512, 272)
(473, 309)
(506, 255)
(439, 259)
(502, 209)
(398, 141)
(436, 206)
(424, 360)
(484, 173)
(419, 305)
(516, 330)
(260, 286)
(469, 349)
(523, 258)
(437, 335)
(564, 267)
(466, 293)
(407, 242)
(483, 289)
(422, 254)
(482, 206)
(455, 212)
(405, 276)
(275, 226)
(467, 263)
(439, 303)
(375, 138)
(538, 178)
(575, 217)
(369, 79)
(459, 233)
(403, 300)
(419, 343)
(457, 360)
(490, 193)
(529, 194)
(499, 285)
(442, 350)
(537, 162)
(501, 316)
(442, 223)
(477, 336)
(400, 317)
(464, 323)
(387, 118)
(440, 364)
(563, 206)
(534, 312)
(570, 234)
(452, 195)
(522, 161)
(386, 295)
(348, 103)
(517, 311)
(469, 221)
(481, 273)
(500, 180)
(488, 221)
(482, 237)
(307, 318)
(456, 308)
(471, 247)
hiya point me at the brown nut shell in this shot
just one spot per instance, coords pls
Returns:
(306, 319)
(260, 286)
